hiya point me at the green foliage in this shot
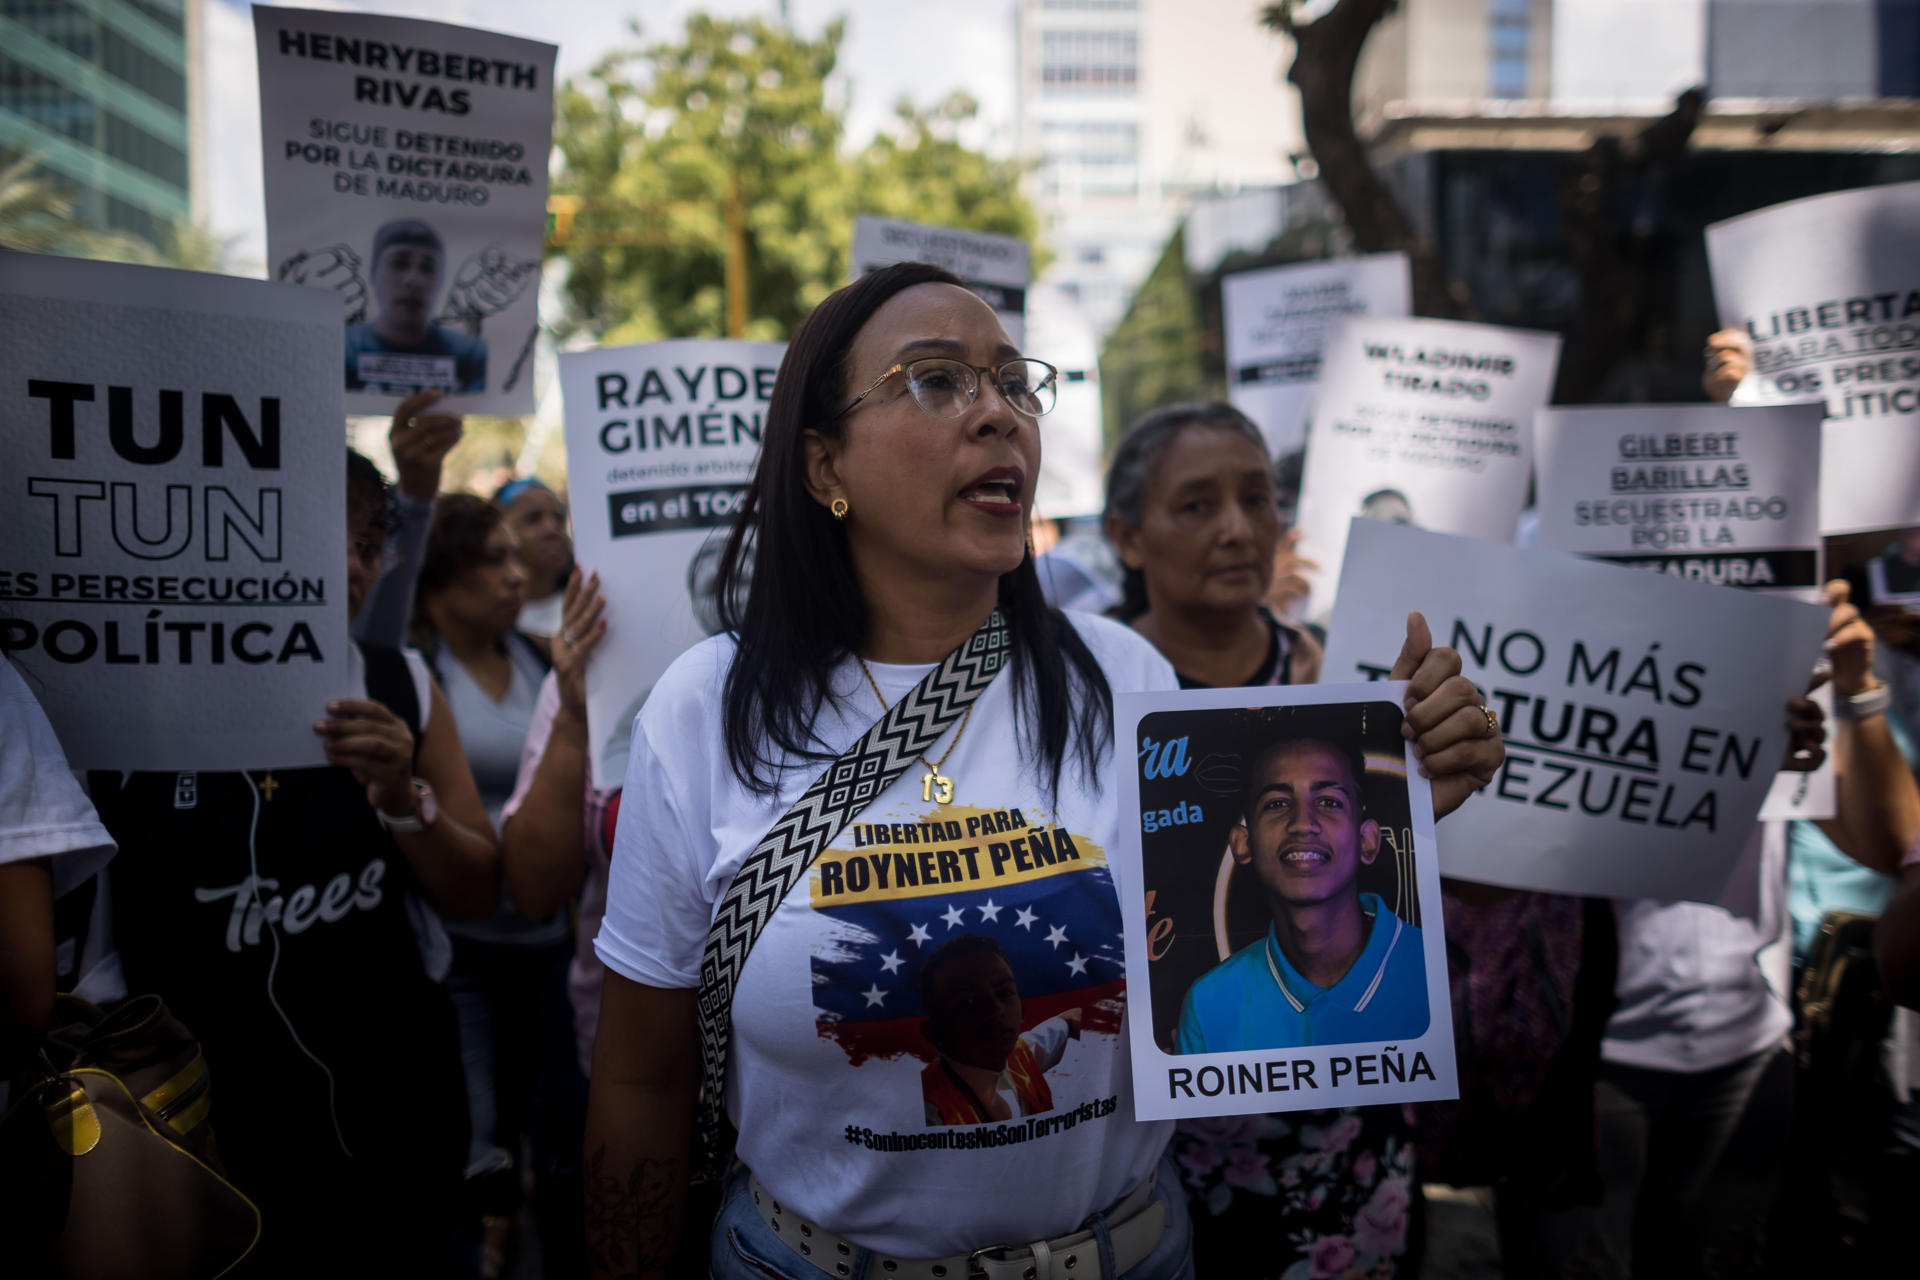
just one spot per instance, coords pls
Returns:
(37, 215)
(654, 141)
(1154, 356)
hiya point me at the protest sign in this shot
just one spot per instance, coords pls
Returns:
(1426, 423)
(406, 171)
(998, 268)
(1072, 482)
(1644, 715)
(1828, 288)
(1276, 322)
(1243, 806)
(662, 439)
(173, 547)
(1699, 491)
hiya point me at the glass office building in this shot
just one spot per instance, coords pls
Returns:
(96, 91)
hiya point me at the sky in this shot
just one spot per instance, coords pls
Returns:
(972, 49)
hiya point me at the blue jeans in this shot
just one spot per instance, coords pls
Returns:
(744, 1247)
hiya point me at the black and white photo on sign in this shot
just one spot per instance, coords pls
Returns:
(405, 172)
(1426, 423)
(1827, 289)
(173, 535)
(1644, 715)
(1704, 492)
(662, 440)
(1276, 322)
(1282, 903)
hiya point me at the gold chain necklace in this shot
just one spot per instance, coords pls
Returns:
(934, 785)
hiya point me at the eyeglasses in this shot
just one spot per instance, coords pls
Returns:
(947, 388)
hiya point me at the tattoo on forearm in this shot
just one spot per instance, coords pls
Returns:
(631, 1226)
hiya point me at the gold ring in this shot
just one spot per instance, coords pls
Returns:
(1493, 722)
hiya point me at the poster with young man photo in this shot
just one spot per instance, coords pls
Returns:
(405, 171)
(1282, 903)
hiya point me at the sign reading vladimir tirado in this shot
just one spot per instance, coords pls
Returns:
(174, 515)
(1728, 496)
(662, 440)
(1644, 715)
(405, 169)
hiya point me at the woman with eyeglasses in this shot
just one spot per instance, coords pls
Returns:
(923, 1051)
(509, 972)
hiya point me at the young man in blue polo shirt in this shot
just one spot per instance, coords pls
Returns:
(1337, 966)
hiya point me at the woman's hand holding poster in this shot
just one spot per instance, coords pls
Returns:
(1426, 423)
(406, 171)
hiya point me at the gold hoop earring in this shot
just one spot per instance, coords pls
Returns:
(839, 508)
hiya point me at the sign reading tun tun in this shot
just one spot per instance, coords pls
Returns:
(662, 439)
(405, 165)
(173, 548)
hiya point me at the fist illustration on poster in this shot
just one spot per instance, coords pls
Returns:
(487, 283)
(336, 267)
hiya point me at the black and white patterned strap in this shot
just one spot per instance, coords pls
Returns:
(910, 727)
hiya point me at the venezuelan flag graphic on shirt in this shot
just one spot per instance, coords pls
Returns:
(976, 940)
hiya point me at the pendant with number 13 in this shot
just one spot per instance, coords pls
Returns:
(936, 788)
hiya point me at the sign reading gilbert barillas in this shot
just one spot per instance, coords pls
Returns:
(1828, 288)
(405, 165)
(662, 439)
(173, 547)
(1645, 716)
(1699, 491)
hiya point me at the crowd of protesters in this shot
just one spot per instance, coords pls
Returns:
(416, 958)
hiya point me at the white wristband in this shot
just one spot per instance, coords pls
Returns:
(1863, 706)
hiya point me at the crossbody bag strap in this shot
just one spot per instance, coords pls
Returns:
(869, 766)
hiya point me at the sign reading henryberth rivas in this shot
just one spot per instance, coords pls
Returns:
(1644, 715)
(406, 170)
(173, 546)
(1276, 322)
(662, 439)
(1426, 423)
(1264, 831)
(998, 268)
(1698, 491)
(1828, 288)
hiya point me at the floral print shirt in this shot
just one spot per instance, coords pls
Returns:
(1304, 1195)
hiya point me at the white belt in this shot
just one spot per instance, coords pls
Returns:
(1135, 1224)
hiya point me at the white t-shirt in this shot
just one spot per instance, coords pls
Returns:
(43, 811)
(832, 1076)
(542, 617)
(1703, 985)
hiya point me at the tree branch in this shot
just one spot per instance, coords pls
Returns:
(1326, 55)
